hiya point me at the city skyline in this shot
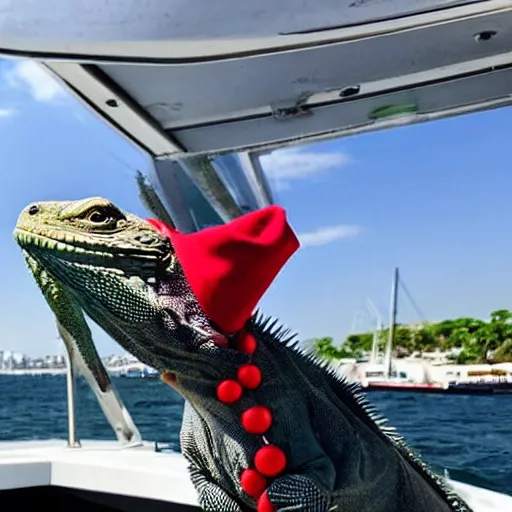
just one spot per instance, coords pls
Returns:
(12, 360)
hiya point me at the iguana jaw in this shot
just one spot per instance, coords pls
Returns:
(70, 249)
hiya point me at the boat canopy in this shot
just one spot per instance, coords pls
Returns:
(180, 77)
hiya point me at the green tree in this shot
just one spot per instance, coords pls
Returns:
(479, 340)
(502, 315)
(357, 343)
(403, 338)
(459, 337)
(504, 353)
(325, 348)
(494, 333)
(424, 339)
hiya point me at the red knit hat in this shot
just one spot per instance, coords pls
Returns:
(230, 267)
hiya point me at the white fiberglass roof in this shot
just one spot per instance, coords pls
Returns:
(200, 77)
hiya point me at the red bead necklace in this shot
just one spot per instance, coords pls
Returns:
(269, 460)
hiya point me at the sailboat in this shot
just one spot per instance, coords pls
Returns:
(376, 375)
(385, 376)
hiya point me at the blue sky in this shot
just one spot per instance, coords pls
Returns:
(433, 199)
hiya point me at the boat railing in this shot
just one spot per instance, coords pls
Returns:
(73, 441)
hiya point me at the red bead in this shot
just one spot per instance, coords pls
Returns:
(249, 376)
(270, 460)
(257, 419)
(246, 343)
(264, 504)
(229, 391)
(253, 483)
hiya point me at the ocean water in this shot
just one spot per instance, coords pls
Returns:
(470, 436)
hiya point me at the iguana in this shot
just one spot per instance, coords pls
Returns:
(265, 426)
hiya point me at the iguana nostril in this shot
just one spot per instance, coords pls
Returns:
(33, 209)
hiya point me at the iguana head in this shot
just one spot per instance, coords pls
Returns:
(91, 232)
(97, 250)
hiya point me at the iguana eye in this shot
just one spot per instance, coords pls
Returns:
(98, 217)
(33, 209)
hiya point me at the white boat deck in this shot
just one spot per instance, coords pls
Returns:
(104, 466)
(100, 466)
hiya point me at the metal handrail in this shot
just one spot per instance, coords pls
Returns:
(73, 442)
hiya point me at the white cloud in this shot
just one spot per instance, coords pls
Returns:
(6, 112)
(328, 234)
(32, 76)
(286, 165)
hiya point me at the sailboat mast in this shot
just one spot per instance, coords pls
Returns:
(392, 324)
(376, 333)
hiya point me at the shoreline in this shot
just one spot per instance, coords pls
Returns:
(46, 371)
(34, 371)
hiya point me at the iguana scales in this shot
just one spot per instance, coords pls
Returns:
(265, 426)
